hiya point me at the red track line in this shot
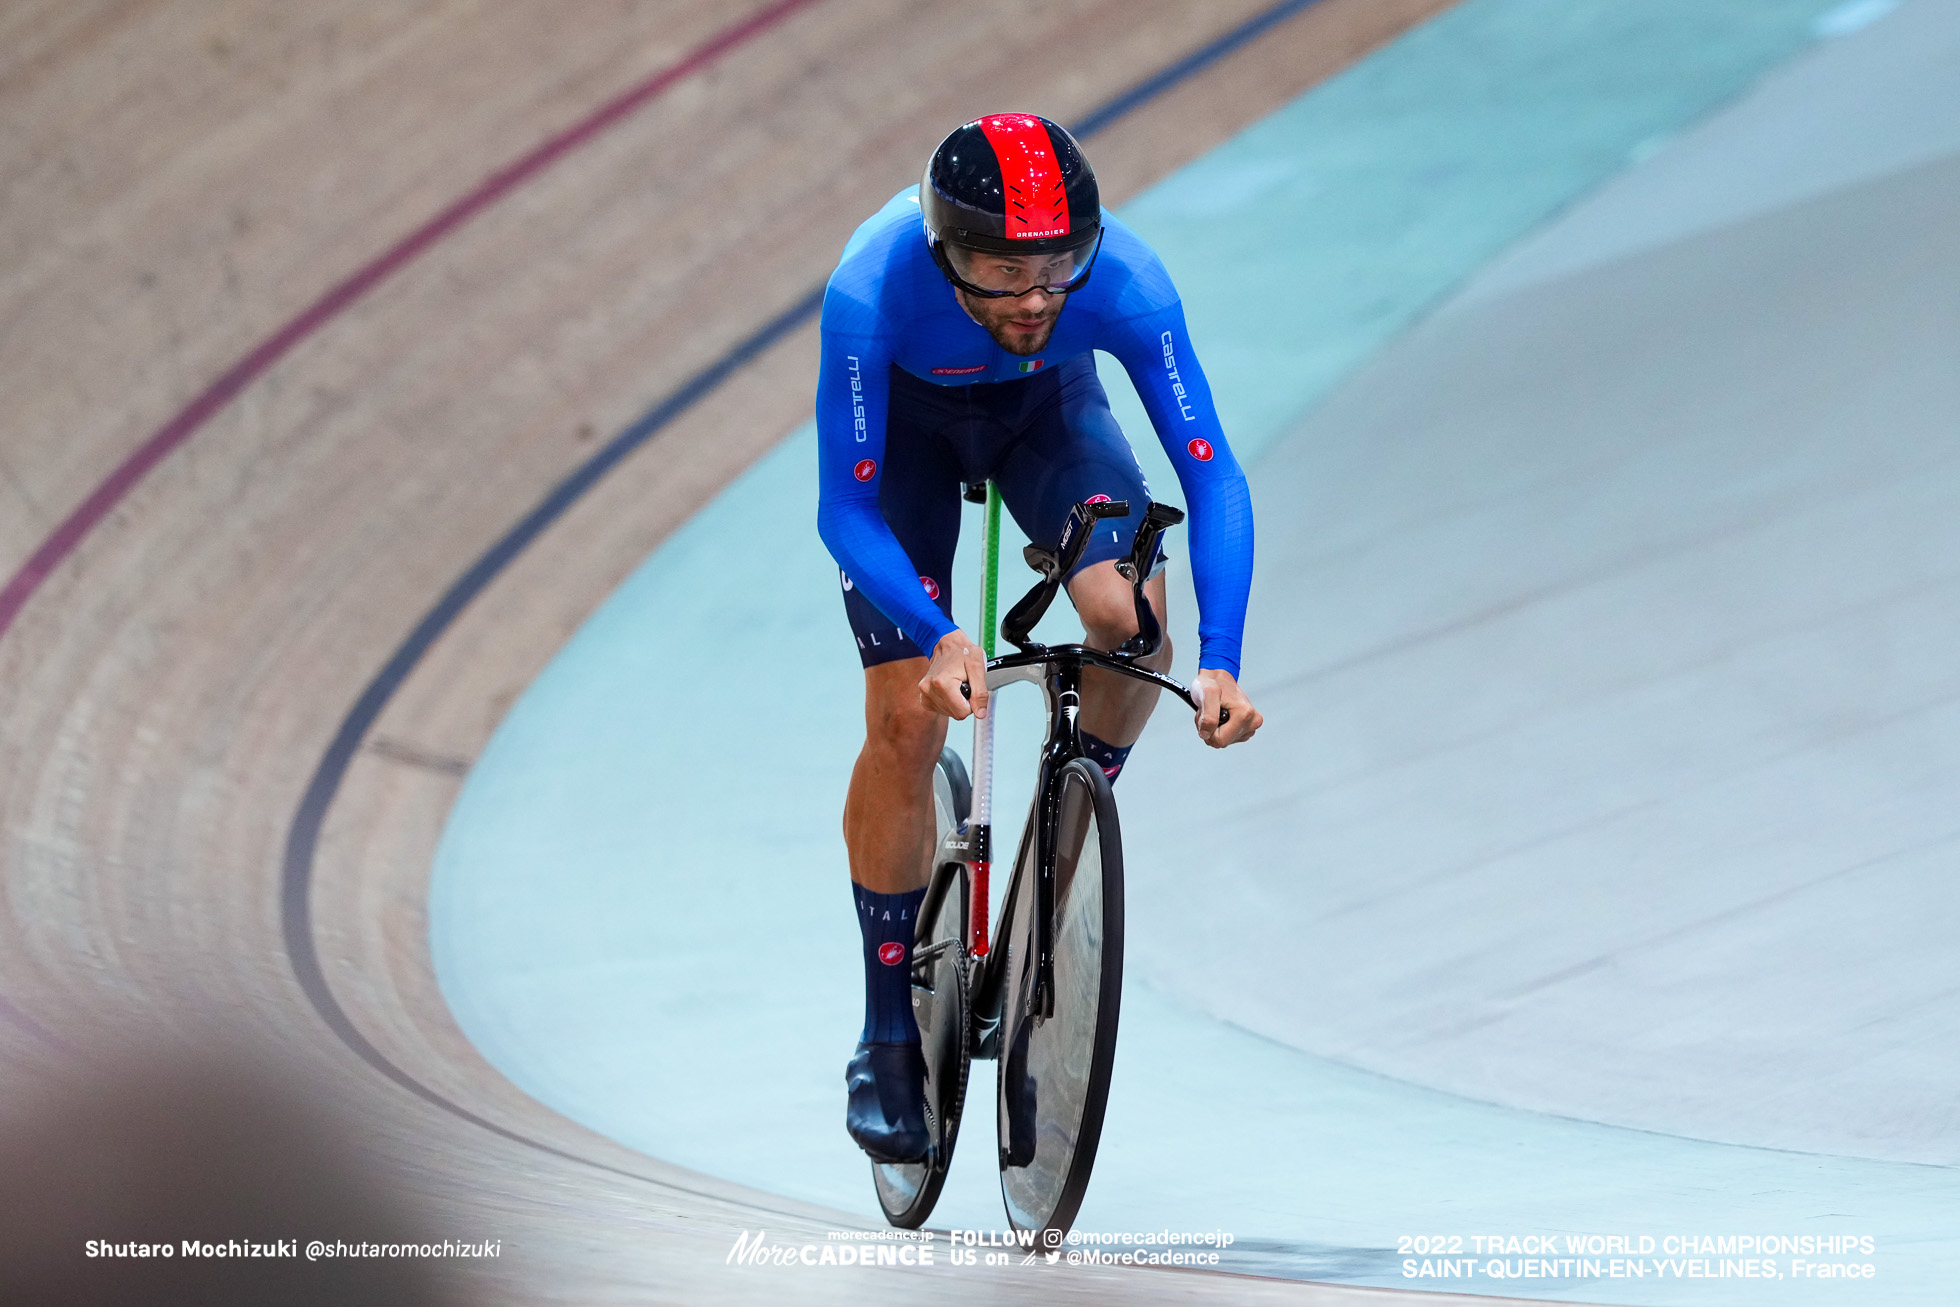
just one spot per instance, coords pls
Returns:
(241, 374)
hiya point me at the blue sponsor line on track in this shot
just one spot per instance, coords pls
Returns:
(1195, 62)
(303, 836)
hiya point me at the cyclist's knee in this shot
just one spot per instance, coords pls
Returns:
(1106, 630)
(896, 722)
(910, 737)
(1105, 603)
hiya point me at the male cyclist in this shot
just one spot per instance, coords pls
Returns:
(961, 353)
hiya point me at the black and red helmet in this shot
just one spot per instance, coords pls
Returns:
(1010, 183)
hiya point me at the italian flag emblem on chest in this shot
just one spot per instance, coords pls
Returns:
(1031, 365)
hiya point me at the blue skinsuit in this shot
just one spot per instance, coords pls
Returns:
(889, 306)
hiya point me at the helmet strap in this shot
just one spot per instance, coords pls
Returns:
(938, 248)
(939, 257)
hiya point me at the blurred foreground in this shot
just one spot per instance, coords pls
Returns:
(199, 1174)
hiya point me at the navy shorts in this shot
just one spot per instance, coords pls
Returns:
(1049, 442)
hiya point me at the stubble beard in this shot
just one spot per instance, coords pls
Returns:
(995, 315)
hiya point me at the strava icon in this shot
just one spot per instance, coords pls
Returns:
(891, 954)
(868, 468)
(1200, 450)
(931, 587)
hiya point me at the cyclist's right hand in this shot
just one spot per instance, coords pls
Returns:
(956, 661)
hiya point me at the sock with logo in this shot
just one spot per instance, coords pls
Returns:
(888, 921)
(1109, 757)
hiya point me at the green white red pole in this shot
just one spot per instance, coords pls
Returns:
(981, 818)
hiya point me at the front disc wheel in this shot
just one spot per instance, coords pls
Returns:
(1055, 1071)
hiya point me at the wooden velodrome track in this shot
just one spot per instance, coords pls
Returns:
(184, 179)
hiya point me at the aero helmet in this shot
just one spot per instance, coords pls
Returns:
(1015, 184)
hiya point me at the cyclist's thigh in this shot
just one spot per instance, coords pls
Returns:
(919, 496)
(1072, 449)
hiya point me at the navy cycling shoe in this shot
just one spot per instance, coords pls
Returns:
(886, 1114)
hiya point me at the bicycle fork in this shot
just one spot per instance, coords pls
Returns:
(973, 845)
(1064, 745)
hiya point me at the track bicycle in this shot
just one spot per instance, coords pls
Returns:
(1044, 1005)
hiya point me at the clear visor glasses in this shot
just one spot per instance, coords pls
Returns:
(1009, 276)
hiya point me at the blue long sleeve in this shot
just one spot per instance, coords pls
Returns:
(1155, 349)
(853, 395)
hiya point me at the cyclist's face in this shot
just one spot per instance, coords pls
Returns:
(1023, 324)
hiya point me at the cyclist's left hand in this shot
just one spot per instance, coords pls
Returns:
(1221, 689)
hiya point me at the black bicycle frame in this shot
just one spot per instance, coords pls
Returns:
(1062, 682)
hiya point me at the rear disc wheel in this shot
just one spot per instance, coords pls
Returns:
(942, 1006)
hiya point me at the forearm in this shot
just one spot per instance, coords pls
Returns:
(1221, 536)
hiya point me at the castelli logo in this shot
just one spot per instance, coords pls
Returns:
(1097, 499)
(1200, 450)
(891, 954)
(931, 587)
(867, 468)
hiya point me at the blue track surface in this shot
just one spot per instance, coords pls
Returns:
(640, 911)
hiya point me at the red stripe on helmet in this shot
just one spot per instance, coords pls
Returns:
(1031, 176)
